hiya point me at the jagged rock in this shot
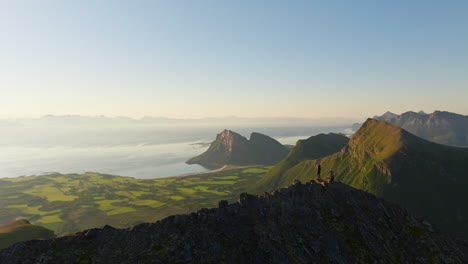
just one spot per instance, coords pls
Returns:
(223, 204)
(330, 177)
(304, 223)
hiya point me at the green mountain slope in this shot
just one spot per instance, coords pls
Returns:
(234, 149)
(22, 230)
(439, 127)
(314, 147)
(426, 178)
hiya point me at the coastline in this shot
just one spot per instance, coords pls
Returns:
(224, 168)
(197, 173)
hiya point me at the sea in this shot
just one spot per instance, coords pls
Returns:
(134, 151)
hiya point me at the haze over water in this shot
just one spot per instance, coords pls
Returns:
(119, 147)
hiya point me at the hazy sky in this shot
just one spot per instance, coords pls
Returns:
(220, 58)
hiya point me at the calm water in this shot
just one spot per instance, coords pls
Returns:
(137, 152)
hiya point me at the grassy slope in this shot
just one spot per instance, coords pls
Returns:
(308, 149)
(22, 230)
(73, 202)
(427, 178)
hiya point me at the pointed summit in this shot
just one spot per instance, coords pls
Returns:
(387, 114)
(230, 139)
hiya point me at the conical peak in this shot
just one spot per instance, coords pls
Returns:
(373, 124)
(377, 138)
(229, 134)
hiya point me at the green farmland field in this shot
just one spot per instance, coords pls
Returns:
(73, 202)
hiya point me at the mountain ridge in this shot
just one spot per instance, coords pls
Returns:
(440, 126)
(314, 147)
(424, 177)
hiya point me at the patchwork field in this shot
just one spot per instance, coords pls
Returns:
(73, 202)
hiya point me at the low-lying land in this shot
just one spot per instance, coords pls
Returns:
(21, 230)
(68, 203)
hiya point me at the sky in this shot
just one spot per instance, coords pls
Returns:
(248, 58)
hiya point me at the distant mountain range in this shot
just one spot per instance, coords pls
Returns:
(227, 121)
(304, 223)
(22, 230)
(439, 127)
(425, 177)
(232, 148)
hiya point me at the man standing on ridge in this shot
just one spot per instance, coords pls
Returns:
(319, 168)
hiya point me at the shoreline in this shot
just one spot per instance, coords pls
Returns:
(196, 173)
(224, 168)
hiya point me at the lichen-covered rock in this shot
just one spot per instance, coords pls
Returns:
(304, 223)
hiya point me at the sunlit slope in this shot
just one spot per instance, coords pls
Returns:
(73, 202)
(425, 177)
(22, 230)
(312, 148)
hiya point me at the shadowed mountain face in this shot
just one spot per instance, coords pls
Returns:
(304, 223)
(427, 178)
(314, 147)
(22, 230)
(439, 127)
(232, 148)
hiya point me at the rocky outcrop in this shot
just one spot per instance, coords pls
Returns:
(232, 148)
(304, 223)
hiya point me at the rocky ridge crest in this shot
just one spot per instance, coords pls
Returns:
(314, 222)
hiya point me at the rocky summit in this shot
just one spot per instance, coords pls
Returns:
(314, 222)
(232, 148)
